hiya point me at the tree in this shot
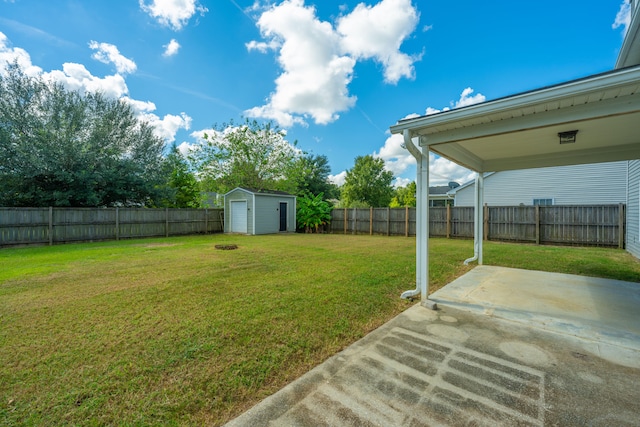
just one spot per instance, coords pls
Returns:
(251, 155)
(312, 212)
(185, 191)
(310, 174)
(367, 183)
(60, 148)
(404, 196)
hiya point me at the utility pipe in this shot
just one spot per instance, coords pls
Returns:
(422, 223)
(478, 221)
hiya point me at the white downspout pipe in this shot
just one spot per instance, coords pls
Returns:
(422, 224)
(417, 153)
(478, 221)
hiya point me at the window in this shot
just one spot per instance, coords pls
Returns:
(542, 202)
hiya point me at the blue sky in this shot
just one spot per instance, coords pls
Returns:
(335, 75)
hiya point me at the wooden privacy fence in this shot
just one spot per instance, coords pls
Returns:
(27, 226)
(593, 225)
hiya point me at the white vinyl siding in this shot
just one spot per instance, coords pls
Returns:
(633, 209)
(591, 184)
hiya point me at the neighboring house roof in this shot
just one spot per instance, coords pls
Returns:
(440, 189)
(262, 192)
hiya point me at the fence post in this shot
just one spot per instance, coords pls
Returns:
(388, 221)
(486, 222)
(355, 221)
(206, 221)
(166, 223)
(50, 225)
(537, 224)
(406, 221)
(345, 220)
(448, 221)
(621, 224)
(117, 223)
(371, 221)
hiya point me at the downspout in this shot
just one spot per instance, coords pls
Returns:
(478, 221)
(415, 152)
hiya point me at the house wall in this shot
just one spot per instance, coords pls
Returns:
(633, 209)
(267, 213)
(238, 195)
(602, 183)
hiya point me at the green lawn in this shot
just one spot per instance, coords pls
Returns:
(173, 331)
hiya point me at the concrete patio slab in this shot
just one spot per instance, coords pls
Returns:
(463, 367)
(599, 310)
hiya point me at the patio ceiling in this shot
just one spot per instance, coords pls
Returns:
(521, 131)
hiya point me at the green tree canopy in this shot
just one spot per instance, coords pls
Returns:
(252, 155)
(60, 148)
(404, 196)
(367, 183)
(310, 174)
(183, 185)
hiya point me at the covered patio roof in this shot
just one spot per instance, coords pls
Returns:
(521, 131)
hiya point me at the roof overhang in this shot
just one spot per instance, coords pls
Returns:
(521, 131)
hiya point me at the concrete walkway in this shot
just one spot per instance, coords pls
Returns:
(489, 356)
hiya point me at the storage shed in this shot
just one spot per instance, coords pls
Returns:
(250, 211)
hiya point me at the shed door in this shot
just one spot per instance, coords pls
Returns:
(283, 216)
(238, 216)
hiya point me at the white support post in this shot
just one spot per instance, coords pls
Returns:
(424, 229)
(419, 213)
(480, 216)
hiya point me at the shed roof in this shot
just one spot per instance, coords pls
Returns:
(262, 192)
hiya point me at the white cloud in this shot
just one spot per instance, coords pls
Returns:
(140, 106)
(402, 182)
(262, 47)
(315, 76)
(167, 127)
(338, 179)
(76, 77)
(317, 60)
(623, 17)
(171, 48)
(10, 54)
(396, 158)
(172, 13)
(377, 32)
(187, 148)
(442, 171)
(467, 99)
(109, 54)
